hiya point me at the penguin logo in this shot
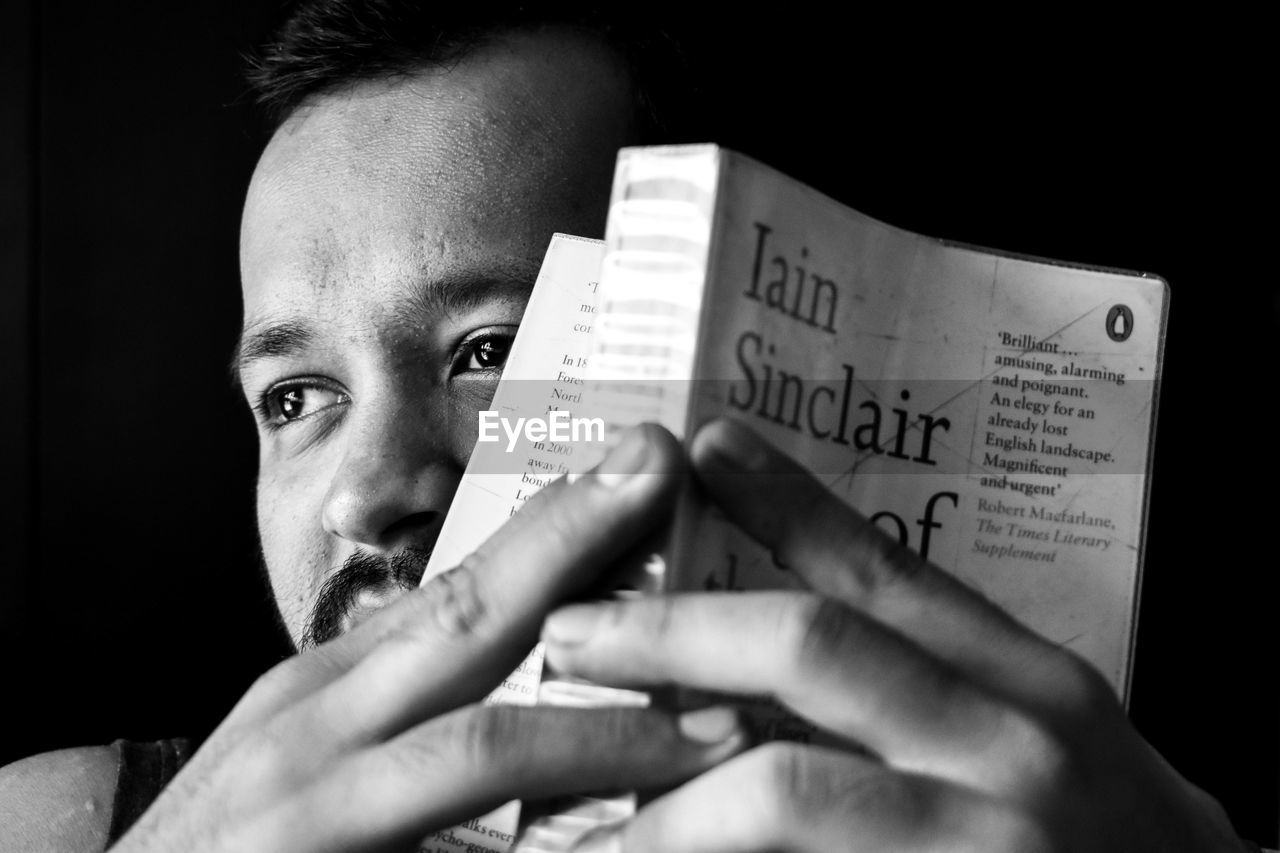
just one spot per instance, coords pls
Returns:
(1119, 323)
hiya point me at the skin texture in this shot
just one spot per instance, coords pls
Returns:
(368, 210)
(57, 801)
(984, 736)
(371, 212)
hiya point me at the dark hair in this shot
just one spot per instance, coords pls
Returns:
(326, 45)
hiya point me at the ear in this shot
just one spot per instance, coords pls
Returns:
(58, 801)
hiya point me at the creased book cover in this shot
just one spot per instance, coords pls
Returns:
(993, 412)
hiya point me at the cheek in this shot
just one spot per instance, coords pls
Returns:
(293, 545)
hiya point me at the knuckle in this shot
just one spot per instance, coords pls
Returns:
(876, 560)
(622, 732)
(433, 749)
(280, 678)
(859, 792)
(264, 755)
(1016, 832)
(487, 735)
(454, 601)
(662, 613)
(814, 627)
(888, 563)
(779, 779)
(618, 728)
(807, 502)
(798, 784)
(270, 691)
(885, 793)
(260, 760)
(1039, 751)
(558, 521)
(1082, 690)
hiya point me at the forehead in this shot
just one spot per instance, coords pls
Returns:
(433, 174)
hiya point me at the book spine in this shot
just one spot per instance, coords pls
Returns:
(640, 370)
(652, 285)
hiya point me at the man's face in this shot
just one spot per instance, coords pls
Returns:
(390, 237)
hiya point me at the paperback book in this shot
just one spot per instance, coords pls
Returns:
(991, 411)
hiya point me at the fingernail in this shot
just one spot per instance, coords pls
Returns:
(573, 625)
(732, 445)
(709, 725)
(607, 840)
(627, 458)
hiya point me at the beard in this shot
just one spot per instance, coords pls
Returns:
(362, 575)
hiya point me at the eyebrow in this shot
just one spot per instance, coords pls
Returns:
(457, 294)
(465, 292)
(272, 340)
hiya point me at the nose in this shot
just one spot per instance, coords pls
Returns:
(396, 478)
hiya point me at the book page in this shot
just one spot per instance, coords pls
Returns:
(543, 375)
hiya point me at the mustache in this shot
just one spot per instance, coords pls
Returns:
(360, 572)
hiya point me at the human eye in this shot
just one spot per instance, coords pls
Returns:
(296, 400)
(484, 352)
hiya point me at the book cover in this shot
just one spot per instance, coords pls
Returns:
(993, 412)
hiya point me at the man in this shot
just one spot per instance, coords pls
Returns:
(390, 234)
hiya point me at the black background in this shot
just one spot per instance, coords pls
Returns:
(130, 603)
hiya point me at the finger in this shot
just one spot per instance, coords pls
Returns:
(451, 641)
(784, 796)
(469, 761)
(842, 554)
(832, 665)
(465, 630)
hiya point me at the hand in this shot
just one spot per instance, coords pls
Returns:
(373, 740)
(985, 736)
